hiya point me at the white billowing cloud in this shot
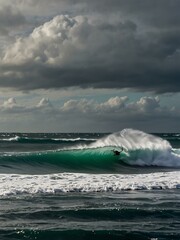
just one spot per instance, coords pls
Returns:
(92, 47)
(11, 106)
(44, 102)
(90, 106)
(118, 112)
(88, 115)
(10, 103)
(83, 52)
(117, 105)
(52, 43)
(68, 42)
(113, 104)
(83, 106)
(69, 51)
(146, 104)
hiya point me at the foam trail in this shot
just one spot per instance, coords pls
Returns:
(14, 184)
(13, 139)
(43, 140)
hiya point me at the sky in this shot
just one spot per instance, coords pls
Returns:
(89, 66)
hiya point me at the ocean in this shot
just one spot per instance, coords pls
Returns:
(72, 186)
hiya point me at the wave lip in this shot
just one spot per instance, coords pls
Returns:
(141, 149)
(14, 184)
(131, 139)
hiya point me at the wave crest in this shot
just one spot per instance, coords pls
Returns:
(131, 139)
(142, 149)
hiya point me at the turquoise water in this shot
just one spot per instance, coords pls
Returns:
(72, 186)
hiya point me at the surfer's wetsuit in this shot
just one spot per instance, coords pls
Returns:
(117, 153)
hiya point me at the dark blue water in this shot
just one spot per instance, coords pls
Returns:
(72, 186)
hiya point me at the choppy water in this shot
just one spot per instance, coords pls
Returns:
(72, 186)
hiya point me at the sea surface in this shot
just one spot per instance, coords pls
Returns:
(72, 186)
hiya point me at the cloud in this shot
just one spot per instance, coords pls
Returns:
(88, 115)
(145, 104)
(119, 106)
(158, 14)
(44, 102)
(114, 104)
(11, 106)
(119, 112)
(83, 106)
(10, 103)
(121, 51)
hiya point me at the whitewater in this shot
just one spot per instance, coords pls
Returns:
(71, 182)
(59, 185)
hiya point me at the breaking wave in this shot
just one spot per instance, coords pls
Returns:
(139, 149)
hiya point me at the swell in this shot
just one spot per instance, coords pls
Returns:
(80, 234)
(18, 139)
(78, 160)
(97, 214)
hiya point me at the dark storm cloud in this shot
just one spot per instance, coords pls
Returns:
(138, 49)
(10, 17)
(159, 13)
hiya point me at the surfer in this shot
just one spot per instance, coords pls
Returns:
(117, 153)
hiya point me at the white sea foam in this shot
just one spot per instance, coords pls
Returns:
(17, 138)
(12, 139)
(142, 149)
(14, 184)
(131, 139)
(74, 139)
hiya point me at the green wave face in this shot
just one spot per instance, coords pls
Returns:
(85, 160)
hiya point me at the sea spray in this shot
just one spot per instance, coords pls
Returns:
(131, 139)
(141, 149)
